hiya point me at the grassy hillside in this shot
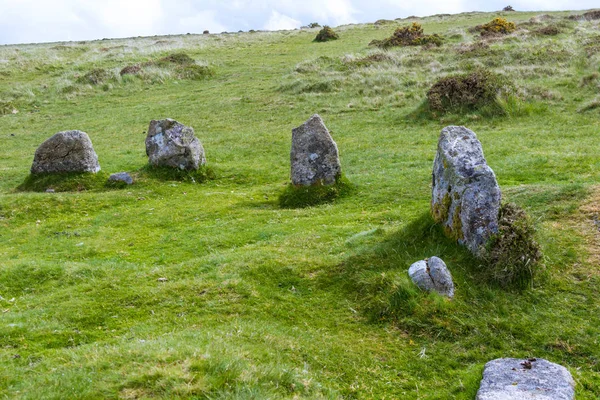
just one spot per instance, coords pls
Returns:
(171, 289)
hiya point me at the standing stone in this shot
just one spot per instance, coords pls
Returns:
(68, 151)
(533, 379)
(465, 194)
(314, 155)
(432, 275)
(171, 144)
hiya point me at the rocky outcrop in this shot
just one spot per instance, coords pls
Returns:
(465, 194)
(171, 144)
(525, 379)
(432, 275)
(314, 155)
(68, 151)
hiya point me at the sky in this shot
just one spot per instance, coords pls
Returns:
(33, 21)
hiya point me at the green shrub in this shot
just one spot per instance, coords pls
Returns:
(314, 25)
(326, 34)
(305, 196)
(512, 255)
(95, 77)
(410, 35)
(195, 72)
(467, 92)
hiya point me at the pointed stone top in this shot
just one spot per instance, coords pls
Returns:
(314, 155)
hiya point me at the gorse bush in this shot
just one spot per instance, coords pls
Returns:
(410, 35)
(326, 34)
(467, 92)
(512, 255)
(496, 26)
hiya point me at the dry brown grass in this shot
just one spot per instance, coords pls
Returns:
(588, 223)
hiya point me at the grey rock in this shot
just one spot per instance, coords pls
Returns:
(432, 275)
(314, 155)
(69, 151)
(50, 190)
(171, 144)
(510, 379)
(121, 177)
(465, 195)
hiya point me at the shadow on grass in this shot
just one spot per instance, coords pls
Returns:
(65, 182)
(377, 280)
(294, 196)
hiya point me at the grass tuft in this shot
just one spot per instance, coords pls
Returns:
(202, 174)
(512, 255)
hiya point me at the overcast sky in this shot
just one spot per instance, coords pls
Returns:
(28, 21)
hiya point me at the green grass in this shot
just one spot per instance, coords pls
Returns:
(260, 301)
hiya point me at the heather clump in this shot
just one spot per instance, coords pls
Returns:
(326, 34)
(467, 92)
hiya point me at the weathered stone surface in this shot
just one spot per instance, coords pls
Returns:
(68, 151)
(121, 177)
(171, 144)
(432, 274)
(465, 194)
(314, 155)
(519, 379)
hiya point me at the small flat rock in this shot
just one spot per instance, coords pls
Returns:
(510, 379)
(121, 177)
(171, 144)
(432, 275)
(68, 151)
(314, 156)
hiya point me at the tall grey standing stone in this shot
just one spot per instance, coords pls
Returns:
(314, 155)
(432, 275)
(68, 151)
(465, 194)
(171, 144)
(515, 379)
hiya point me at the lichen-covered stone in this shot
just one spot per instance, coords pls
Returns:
(522, 379)
(121, 177)
(68, 151)
(432, 275)
(314, 155)
(465, 195)
(171, 144)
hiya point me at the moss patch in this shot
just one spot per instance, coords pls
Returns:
(65, 182)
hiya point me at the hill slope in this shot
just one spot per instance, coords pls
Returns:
(264, 302)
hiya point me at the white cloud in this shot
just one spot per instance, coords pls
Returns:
(201, 21)
(279, 22)
(24, 21)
